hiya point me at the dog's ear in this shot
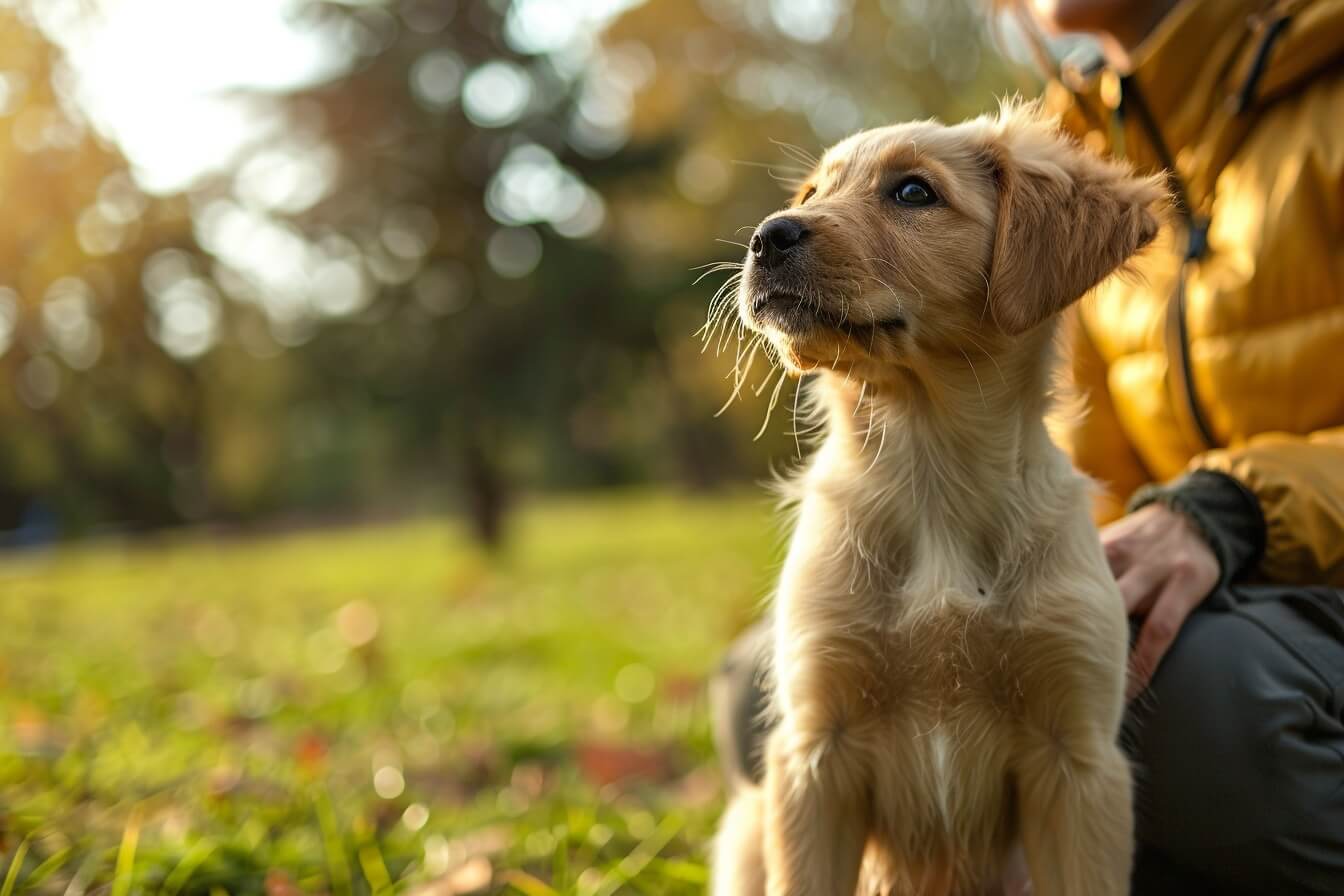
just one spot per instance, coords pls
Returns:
(1066, 218)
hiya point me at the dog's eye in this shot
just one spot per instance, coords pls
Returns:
(808, 194)
(914, 191)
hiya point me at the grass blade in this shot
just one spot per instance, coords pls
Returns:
(333, 845)
(13, 875)
(130, 840)
(639, 857)
(375, 870)
(682, 870)
(178, 877)
(529, 885)
(49, 866)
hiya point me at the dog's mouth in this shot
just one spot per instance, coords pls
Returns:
(795, 316)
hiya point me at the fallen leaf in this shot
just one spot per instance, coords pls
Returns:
(278, 883)
(472, 875)
(606, 763)
(683, 689)
(310, 752)
(30, 727)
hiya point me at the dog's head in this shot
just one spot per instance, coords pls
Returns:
(920, 241)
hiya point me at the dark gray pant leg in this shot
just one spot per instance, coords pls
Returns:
(1238, 751)
(738, 701)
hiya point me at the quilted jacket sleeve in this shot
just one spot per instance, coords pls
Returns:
(1299, 482)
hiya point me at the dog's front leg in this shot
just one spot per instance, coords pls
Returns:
(739, 863)
(1077, 821)
(816, 823)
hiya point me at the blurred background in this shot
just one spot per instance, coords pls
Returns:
(282, 257)
(362, 336)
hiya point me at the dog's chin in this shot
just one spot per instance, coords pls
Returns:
(811, 338)
(790, 315)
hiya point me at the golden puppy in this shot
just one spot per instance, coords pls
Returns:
(949, 645)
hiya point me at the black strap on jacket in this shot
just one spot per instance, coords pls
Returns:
(1274, 28)
(1197, 226)
(1196, 246)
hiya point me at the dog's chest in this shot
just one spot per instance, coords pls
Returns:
(942, 779)
(950, 657)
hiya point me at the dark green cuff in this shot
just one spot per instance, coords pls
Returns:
(1224, 511)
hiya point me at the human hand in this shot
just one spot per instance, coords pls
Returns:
(1164, 569)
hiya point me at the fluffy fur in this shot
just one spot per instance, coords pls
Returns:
(949, 646)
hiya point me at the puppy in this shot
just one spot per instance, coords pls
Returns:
(949, 645)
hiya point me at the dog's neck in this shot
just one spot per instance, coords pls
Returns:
(954, 455)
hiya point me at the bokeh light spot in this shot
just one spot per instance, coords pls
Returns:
(436, 78)
(415, 816)
(388, 782)
(39, 382)
(188, 317)
(338, 287)
(702, 177)
(635, 683)
(514, 252)
(357, 622)
(808, 21)
(420, 699)
(443, 287)
(67, 320)
(9, 317)
(427, 16)
(496, 94)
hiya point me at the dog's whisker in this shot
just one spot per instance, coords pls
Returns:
(740, 376)
(717, 315)
(774, 397)
(981, 388)
(881, 443)
(728, 328)
(721, 296)
(984, 309)
(716, 270)
(908, 282)
(969, 336)
(792, 178)
(715, 264)
(771, 166)
(797, 447)
(732, 243)
(797, 153)
(868, 434)
(769, 378)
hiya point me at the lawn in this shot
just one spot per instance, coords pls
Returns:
(378, 707)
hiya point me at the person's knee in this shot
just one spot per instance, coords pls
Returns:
(1202, 737)
(1227, 779)
(738, 702)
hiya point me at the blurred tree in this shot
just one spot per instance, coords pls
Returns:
(463, 255)
(99, 422)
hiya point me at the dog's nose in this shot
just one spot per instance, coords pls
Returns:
(776, 238)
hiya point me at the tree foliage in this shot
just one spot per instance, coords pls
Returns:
(459, 266)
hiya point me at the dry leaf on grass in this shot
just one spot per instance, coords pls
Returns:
(472, 875)
(607, 763)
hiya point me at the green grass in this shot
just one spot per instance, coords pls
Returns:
(375, 708)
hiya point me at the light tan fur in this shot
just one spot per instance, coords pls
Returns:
(949, 646)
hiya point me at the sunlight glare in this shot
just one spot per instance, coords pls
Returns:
(155, 76)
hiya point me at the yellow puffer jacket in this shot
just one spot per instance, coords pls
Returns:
(1243, 373)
